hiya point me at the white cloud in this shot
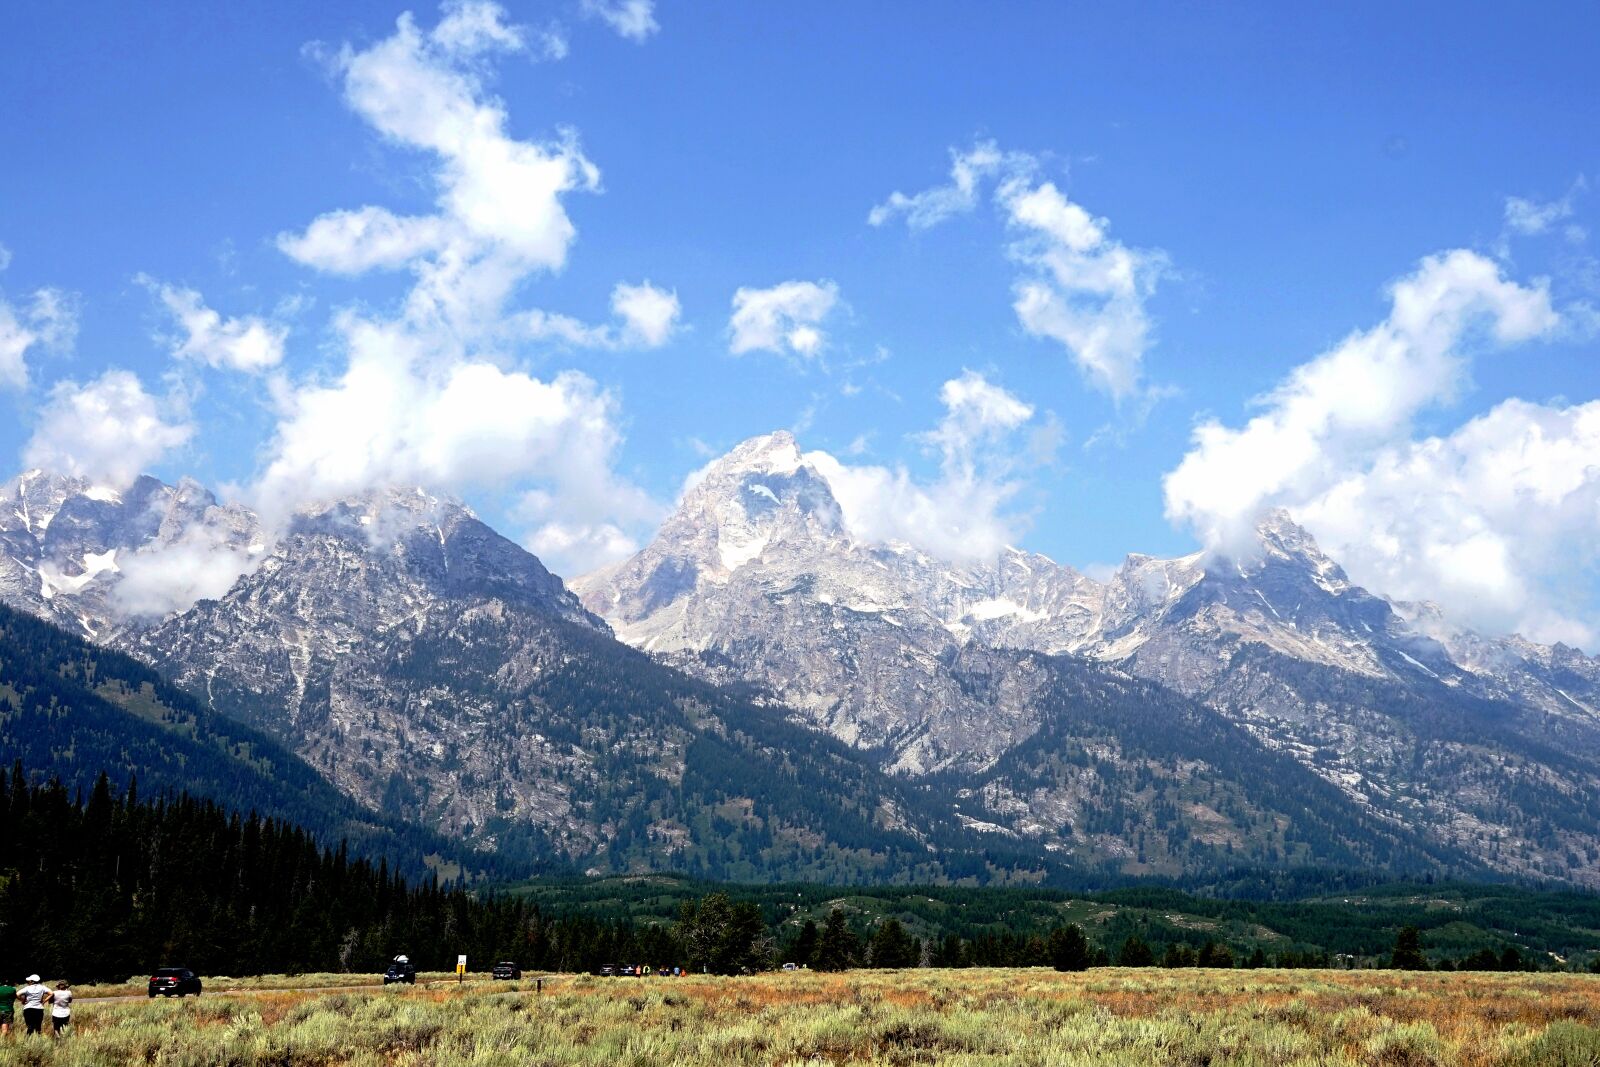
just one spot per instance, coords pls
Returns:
(1080, 287)
(108, 430)
(1086, 290)
(786, 317)
(49, 320)
(1491, 521)
(5, 257)
(200, 564)
(1333, 412)
(401, 415)
(967, 171)
(633, 19)
(1528, 217)
(428, 397)
(500, 215)
(649, 315)
(961, 515)
(250, 344)
(1495, 522)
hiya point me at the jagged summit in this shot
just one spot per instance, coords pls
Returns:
(755, 577)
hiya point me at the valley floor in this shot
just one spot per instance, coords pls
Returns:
(1118, 1017)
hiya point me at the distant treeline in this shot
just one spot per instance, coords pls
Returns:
(110, 885)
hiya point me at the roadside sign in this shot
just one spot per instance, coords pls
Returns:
(461, 967)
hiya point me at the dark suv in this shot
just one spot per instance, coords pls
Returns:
(400, 971)
(174, 982)
(507, 969)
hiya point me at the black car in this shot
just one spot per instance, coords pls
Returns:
(400, 971)
(608, 970)
(507, 969)
(174, 982)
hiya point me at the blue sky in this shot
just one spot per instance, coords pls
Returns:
(1271, 173)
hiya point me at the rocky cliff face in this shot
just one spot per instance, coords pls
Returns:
(884, 713)
(92, 559)
(1488, 745)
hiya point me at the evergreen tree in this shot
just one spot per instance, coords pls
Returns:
(803, 949)
(1069, 949)
(839, 949)
(721, 937)
(891, 947)
(1407, 954)
(1135, 953)
(1215, 954)
(1179, 955)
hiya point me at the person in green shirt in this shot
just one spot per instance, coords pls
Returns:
(8, 1007)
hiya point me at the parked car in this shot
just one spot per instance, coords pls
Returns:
(507, 969)
(174, 982)
(791, 966)
(607, 970)
(400, 970)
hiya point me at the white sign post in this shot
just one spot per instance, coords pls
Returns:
(461, 968)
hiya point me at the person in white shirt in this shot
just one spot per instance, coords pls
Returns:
(60, 1009)
(33, 997)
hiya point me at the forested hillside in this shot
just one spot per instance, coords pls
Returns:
(109, 885)
(71, 710)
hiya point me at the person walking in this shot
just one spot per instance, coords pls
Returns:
(60, 1009)
(33, 997)
(8, 1007)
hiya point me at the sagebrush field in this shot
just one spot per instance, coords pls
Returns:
(1118, 1017)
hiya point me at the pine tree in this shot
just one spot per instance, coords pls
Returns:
(803, 950)
(1069, 949)
(891, 947)
(1135, 953)
(1408, 950)
(839, 949)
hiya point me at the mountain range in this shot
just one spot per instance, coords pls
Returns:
(759, 693)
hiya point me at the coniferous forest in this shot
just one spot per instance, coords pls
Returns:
(107, 885)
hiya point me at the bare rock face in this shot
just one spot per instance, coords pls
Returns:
(1488, 745)
(355, 639)
(880, 708)
(94, 559)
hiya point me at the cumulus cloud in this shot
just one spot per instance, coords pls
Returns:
(1085, 289)
(500, 214)
(633, 19)
(399, 415)
(1478, 520)
(1079, 287)
(1492, 522)
(429, 397)
(48, 320)
(960, 515)
(785, 318)
(109, 430)
(649, 315)
(250, 344)
(1334, 411)
(645, 317)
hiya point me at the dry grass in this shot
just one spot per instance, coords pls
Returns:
(1130, 1018)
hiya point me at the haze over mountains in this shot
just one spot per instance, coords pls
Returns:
(873, 712)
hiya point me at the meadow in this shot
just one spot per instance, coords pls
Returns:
(1131, 1017)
